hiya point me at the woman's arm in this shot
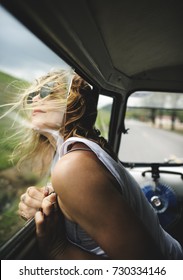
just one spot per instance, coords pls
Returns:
(87, 196)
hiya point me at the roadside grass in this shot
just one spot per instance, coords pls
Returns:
(102, 122)
(10, 222)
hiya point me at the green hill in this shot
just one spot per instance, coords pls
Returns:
(9, 85)
(12, 182)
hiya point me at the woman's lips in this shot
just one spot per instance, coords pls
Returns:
(37, 111)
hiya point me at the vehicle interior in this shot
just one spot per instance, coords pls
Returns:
(127, 51)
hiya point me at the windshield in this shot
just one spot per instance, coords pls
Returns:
(154, 121)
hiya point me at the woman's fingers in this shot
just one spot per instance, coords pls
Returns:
(25, 212)
(48, 189)
(32, 200)
(40, 226)
(49, 204)
(32, 197)
(50, 228)
(47, 217)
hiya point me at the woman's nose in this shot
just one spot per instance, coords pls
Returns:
(36, 98)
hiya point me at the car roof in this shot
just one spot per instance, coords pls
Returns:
(119, 45)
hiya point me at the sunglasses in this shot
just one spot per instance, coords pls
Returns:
(46, 90)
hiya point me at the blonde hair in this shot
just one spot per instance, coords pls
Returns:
(80, 116)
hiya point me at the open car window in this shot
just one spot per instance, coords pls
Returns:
(23, 58)
(104, 115)
(154, 123)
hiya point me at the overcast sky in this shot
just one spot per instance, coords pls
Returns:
(21, 53)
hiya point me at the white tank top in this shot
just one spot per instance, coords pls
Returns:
(131, 191)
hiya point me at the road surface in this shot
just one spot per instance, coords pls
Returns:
(145, 143)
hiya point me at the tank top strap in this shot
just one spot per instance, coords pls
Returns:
(79, 149)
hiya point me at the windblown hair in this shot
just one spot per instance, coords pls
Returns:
(80, 115)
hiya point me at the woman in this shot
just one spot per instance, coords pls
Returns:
(93, 208)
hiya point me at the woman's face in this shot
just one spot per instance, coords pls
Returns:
(44, 116)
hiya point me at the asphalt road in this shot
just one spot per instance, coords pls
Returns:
(145, 143)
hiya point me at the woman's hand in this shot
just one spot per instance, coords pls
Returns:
(51, 236)
(31, 201)
(50, 228)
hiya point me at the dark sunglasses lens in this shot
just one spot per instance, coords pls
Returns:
(47, 89)
(31, 96)
(44, 92)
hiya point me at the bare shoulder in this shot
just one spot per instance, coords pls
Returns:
(77, 168)
(78, 177)
(75, 163)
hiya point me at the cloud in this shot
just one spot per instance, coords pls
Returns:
(22, 54)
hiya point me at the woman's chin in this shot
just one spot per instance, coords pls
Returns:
(44, 128)
(38, 125)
